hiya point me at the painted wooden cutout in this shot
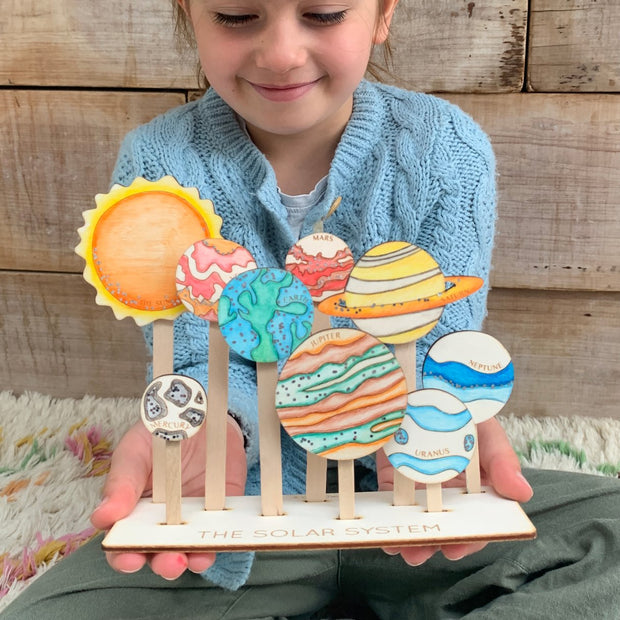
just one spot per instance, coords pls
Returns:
(477, 369)
(264, 314)
(435, 441)
(173, 408)
(131, 243)
(341, 395)
(322, 262)
(202, 272)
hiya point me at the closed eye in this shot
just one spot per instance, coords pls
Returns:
(232, 20)
(327, 18)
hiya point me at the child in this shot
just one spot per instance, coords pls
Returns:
(287, 126)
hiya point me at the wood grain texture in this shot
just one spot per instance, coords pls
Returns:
(57, 151)
(73, 43)
(460, 46)
(559, 188)
(574, 46)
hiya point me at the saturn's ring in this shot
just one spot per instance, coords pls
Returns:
(462, 286)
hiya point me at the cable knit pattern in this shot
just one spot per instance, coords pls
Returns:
(409, 167)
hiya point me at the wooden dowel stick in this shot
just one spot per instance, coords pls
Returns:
(472, 473)
(316, 466)
(217, 395)
(404, 488)
(346, 488)
(434, 502)
(269, 440)
(173, 482)
(163, 364)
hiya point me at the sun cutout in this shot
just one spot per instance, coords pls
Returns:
(132, 242)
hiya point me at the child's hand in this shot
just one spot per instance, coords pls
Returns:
(500, 468)
(130, 478)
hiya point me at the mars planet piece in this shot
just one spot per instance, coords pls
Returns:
(174, 407)
(397, 292)
(203, 271)
(322, 262)
(474, 367)
(132, 242)
(436, 439)
(341, 394)
(264, 314)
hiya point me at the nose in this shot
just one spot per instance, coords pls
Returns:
(281, 47)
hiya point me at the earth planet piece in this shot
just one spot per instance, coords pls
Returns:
(264, 314)
(397, 293)
(436, 439)
(473, 366)
(204, 270)
(174, 407)
(341, 394)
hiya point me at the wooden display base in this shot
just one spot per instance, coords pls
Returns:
(316, 525)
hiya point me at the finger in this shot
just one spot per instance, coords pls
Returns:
(416, 556)
(199, 562)
(458, 552)
(500, 463)
(128, 478)
(169, 565)
(126, 562)
(385, 471)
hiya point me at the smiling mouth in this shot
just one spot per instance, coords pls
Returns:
(283, 92)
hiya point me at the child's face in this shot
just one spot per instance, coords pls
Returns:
(288, 66)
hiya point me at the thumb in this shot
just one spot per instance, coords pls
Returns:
(129, 475)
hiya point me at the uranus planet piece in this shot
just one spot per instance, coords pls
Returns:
(204, 270)
(341, 394)
(397, 292)
(436, 439)
(174, 407)
(474, 367)
(265, 313)
(322, 262)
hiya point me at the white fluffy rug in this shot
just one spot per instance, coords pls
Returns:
(54, 454)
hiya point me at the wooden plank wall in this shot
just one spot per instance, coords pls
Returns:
(542, 78)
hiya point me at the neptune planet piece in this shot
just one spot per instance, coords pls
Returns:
(264, 314)
(436, 439)
(474, 367)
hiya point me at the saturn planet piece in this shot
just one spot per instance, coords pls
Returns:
(174, 407)
(322, 262)
(205, 269)
(341, 394)
(474, 367)
(397, 292)
(436, 439)
(264, 314)
(132, 242)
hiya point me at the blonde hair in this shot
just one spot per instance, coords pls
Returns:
(184, 35)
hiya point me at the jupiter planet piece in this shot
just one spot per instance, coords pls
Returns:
(322, 262)
(436, 439)
(474, 367)
(341, 394)
(397, 292)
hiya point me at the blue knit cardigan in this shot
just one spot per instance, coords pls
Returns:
(409, 167)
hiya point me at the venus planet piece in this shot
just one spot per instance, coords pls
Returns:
(397, 292)
(264, 314)
(322, 262)
(341, 394)
(474, 367)
(132, 240)
(436, 439)
(204, 270)
(174, 407)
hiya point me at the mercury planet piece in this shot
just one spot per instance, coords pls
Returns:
(436, 438)
(397, 292)
(174, 407)
(322, 262)
(132, 242)
(264, 314)
(341, 394)
(204, 270)
(474, 367)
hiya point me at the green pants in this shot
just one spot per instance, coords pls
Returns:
(572, 570)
